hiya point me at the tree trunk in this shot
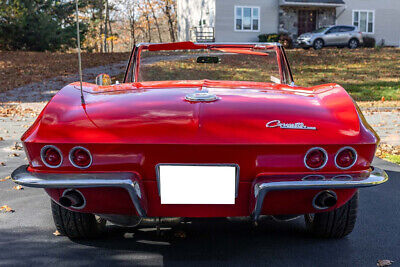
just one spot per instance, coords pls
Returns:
(167, 11)
(101, 25)
(132, 24)
(111, 34)
(155, 20)
(106, 28)
(148, 27)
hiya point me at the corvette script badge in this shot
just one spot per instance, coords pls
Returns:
(295, 125)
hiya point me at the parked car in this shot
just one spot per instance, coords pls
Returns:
(340, 36)
(198, 130)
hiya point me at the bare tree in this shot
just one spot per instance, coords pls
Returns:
(151, 7)
(168, 7)
(105, 27)
(101, 25)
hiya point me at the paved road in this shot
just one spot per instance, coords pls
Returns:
(26, 236)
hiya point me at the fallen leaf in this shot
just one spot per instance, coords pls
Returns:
(180, 234)
(18, 187)
(5, 179)
(2, 163)
(57, 233)
(17, 146)
(382, 263)
(6, 208)
(1, 138)
(14, 155)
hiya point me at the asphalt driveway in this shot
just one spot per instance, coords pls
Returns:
(26, 236)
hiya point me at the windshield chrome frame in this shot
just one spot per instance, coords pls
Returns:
(132, 69)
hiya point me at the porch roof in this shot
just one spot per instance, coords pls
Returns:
(315, 3)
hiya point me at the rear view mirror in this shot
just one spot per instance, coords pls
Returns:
(208, 59)
(103, 79)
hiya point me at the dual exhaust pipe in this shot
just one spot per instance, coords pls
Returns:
(324, 200)
(72, 199)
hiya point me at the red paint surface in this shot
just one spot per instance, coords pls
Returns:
(134, 126)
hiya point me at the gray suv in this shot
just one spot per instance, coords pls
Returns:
(339, 36)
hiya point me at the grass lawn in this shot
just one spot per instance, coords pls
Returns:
(367, 74)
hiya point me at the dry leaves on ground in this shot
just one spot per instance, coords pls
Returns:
(386, 148)
(17, 110)
(13, 155)
(18, 187)
(5, 179)
(17, 146)
(57, 233)
(180, 234)
(382, 263)
(1, 138)
(18, 68)
(2, 164)
(6, 208)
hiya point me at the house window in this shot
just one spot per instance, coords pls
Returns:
(247, 18)
(364, 20)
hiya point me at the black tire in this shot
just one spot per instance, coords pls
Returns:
(353, 43)
(336, 223)
(77, 225)
(318, 44)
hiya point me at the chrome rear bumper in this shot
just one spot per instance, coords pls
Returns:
(131, 183)
(124, 180)
(349, 181)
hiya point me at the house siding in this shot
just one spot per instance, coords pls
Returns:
(387, 18)
(225, 19)
(190, 12)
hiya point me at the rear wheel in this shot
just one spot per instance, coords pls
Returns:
(77, 225)
(353, 43)
(318, 44)
(336, 223)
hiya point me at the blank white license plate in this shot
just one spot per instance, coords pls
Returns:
(193, 184)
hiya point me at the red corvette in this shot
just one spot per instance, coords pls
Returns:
(201, 130)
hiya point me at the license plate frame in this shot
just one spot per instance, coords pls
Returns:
(163, 166)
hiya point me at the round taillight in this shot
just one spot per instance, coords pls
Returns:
(80, 157)
(315, 158)
(51, 156)
(345, 158)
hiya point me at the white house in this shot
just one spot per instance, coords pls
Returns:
(244, 20)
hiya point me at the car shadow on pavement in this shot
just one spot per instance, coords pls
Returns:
(202, 241)
(217, 240)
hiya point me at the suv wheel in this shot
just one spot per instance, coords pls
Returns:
(318, 44)
(353, 43)
(77, 225)
(336, 223)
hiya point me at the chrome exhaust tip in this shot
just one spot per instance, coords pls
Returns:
(72, 199)
(324, 200)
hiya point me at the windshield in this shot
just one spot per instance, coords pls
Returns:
(320, 30)
(215, 63)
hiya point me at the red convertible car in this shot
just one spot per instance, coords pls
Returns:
(201, 130)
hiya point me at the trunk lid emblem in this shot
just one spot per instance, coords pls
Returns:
(201, 96)
(295, 125)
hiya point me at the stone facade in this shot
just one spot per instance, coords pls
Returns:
(288, 19)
